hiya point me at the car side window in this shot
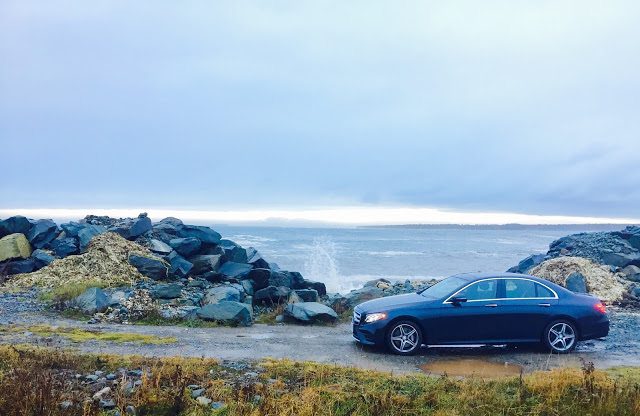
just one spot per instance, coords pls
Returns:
(485, 289)
(519, 288)
(543, 292)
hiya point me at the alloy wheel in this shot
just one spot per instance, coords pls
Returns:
(561, 337)
(404, 338)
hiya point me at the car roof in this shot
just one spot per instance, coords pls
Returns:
(471, 277)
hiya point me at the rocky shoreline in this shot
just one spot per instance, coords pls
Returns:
(605, 264)
(131, 269)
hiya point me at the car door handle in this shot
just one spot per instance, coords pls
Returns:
(546, 305)
(491, 305)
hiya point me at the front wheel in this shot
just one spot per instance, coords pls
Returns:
(560, 336)
(404, 338)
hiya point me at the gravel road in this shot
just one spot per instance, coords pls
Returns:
(327, 344)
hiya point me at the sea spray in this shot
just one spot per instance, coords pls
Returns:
(321, 265)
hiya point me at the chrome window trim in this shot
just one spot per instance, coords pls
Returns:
(501, 278)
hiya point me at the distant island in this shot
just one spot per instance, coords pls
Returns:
(567, 227)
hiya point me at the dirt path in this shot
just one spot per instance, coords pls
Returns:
(328, 344)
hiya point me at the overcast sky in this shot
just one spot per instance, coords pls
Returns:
(528, 107)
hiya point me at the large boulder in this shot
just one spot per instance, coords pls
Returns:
(204, 234)
(293, 280)
(227, 312)
(86, 234)
(260, 278)
(167, 291)
(603, 247)
(527, 264)
(185, 246)
(91, 301)
(599, 280)
(310, 312)
(42, 232)
(178, 265)
(271, 295)
(255, 258)
(307, 295)
(159, 247)
(153, 268)
(205, 263)
(218, 294)
(18, 266)
(319, 287)
(233, 251)
(63, 247)
(576, 283)
(14, 246)
(41, 258)
(235, 270)
(632, 273)
(364, 294)
(131, 228)
(71, 229)
(16, 224)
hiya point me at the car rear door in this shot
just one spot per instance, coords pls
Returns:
(526, 307)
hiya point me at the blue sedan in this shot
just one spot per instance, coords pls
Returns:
(488, 309)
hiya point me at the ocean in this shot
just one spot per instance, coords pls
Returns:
(345, 258)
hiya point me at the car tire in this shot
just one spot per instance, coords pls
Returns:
(404, 338)
(560, 336)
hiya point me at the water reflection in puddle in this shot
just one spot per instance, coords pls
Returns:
(471, 367)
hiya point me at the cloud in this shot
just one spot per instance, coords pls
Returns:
(526, 107)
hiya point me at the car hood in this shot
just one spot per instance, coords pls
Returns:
(391, 302)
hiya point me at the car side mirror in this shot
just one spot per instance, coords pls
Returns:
(457, 301)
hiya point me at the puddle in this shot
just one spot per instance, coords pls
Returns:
(471, 367)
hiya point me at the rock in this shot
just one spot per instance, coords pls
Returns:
(168, 291)
(91, 301)
(130, 410)
(71, 229)
(204, 234)
(247, 285)
(235, 270)
(204, 401)
(159, 247)
(576, 283)
(87, 233)
(180, 312)
(608, 248)
(14, 225)
(178, 265)
(310, 312)
(42, 232)
(293, 298)
(527, 264)
(254, 257)
(152, 268)
(18, 266)
(283, 278)
(14, 246)
(185, 246)
(197, 393)
(364, 294)
(599, 279)
(107, 404)
(101, 393)
(260, 278)
(632, 273)
(63, 247)
(205, 263)
(131, 228)
(226, 311)
(271, 295)
(307, 295)
(234, 252)
(217, 405)
(171, 221)
(317, 286)
(41, 258)
(218, 294)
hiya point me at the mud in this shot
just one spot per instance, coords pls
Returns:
(476, 367)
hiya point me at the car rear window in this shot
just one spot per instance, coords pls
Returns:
(519, 288)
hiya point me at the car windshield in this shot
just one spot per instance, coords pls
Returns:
(443, 287)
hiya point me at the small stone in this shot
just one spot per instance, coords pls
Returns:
(66, 405)
(130, 410)
(204, 401)
(107, 404)
(100, 394)
(217, 405)
(197, 393)
(91, 378)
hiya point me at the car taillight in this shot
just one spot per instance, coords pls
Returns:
(600, 307)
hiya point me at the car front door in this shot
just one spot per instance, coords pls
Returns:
(525, 307)
(472, 321)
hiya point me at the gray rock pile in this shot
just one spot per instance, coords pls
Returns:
(606, 264)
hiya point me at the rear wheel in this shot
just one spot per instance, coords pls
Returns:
(560, 336)
(404, 338)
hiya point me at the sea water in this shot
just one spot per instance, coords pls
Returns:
(345, 258)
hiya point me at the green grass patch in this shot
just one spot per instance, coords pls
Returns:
(81, 335)
(69, 291)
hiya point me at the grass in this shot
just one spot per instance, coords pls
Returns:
(155, 319)
(33, 379)
(81, 335)
(65, 292)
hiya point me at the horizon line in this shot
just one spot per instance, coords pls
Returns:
(344, 216)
